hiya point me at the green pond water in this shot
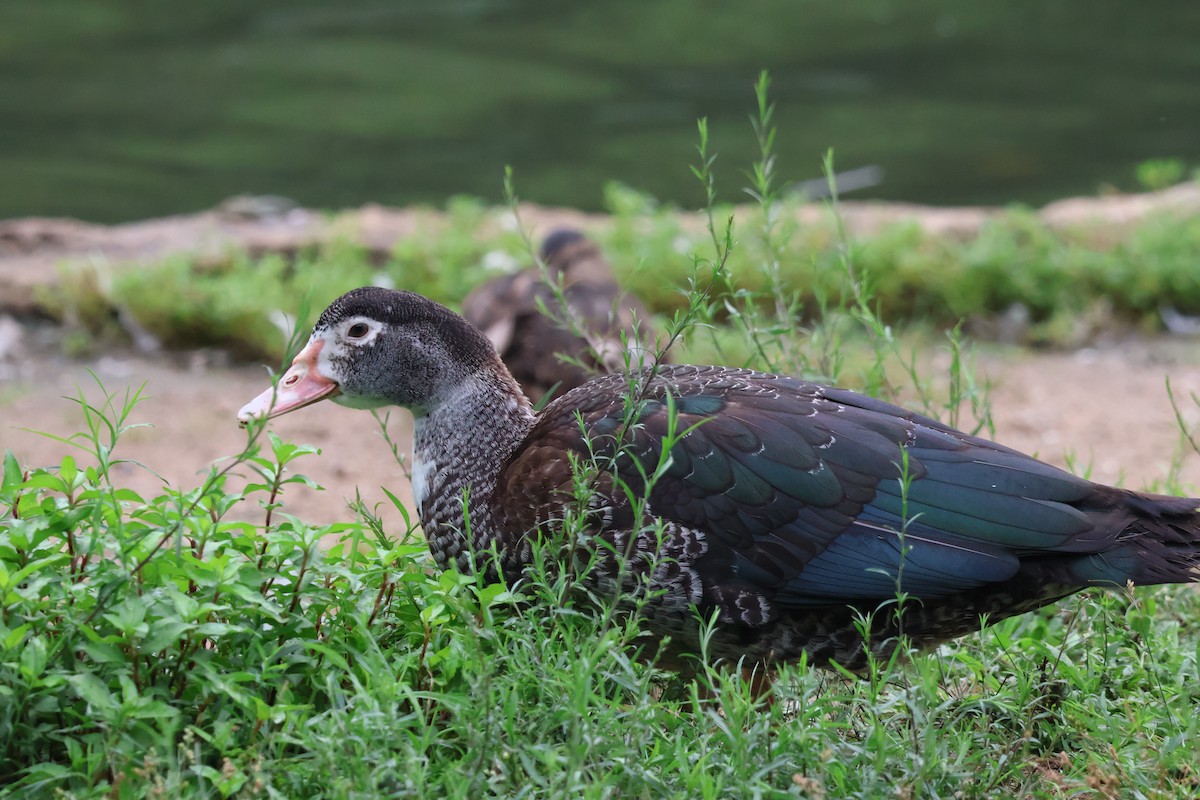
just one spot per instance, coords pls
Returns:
(114, 111)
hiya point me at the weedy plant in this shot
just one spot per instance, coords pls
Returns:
(1160, 173)
(172, 647)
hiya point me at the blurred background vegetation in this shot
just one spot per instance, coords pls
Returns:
(122, 109)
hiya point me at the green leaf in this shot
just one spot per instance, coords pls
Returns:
(48, 772)
(163, 634)
(432, 613)
(127, 496)
(41, 479)
(11, 476)
(211, 773)
(229, 785)
(27, 504)
(399, 507)
(128, 616)
(494, 594)
(93, 692)
(48, 563)
(33, 658)
(335, 657)
(304, 479)
(68, 471)
(15, 636)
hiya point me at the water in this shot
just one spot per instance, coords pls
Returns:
(114, 110)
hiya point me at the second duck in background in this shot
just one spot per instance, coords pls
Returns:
(552, 353)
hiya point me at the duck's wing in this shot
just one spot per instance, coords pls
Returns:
(809, 493)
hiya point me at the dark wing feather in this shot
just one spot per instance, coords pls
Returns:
(799, 489)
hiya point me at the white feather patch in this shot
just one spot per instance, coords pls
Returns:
(421, 473)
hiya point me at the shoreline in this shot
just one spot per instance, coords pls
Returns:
(32, 248)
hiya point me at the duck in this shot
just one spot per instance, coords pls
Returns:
(608, 331)
(762, 514)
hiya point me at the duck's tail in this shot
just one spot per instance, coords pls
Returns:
(1160, 543)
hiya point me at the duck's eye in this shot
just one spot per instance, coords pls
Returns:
(358, 330)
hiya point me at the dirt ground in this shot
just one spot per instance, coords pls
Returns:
(1107, 406)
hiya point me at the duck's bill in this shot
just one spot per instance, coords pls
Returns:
(300, 386)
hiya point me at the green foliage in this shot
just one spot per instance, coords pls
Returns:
(1160, 173)
(1068, 283)
(168, 647)
(164, 647)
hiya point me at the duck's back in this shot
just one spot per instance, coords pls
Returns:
(786, 498)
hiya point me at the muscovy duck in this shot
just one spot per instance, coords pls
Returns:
(780, 508)
(531, 343)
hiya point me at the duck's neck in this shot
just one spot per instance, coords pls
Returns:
(459, 447)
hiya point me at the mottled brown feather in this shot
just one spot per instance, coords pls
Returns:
(533, 344)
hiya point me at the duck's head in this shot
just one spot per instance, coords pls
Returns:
(375, 347)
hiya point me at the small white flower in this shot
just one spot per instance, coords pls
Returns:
(499, 261)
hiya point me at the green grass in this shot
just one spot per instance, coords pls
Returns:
(154, 647)
(161, 647)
